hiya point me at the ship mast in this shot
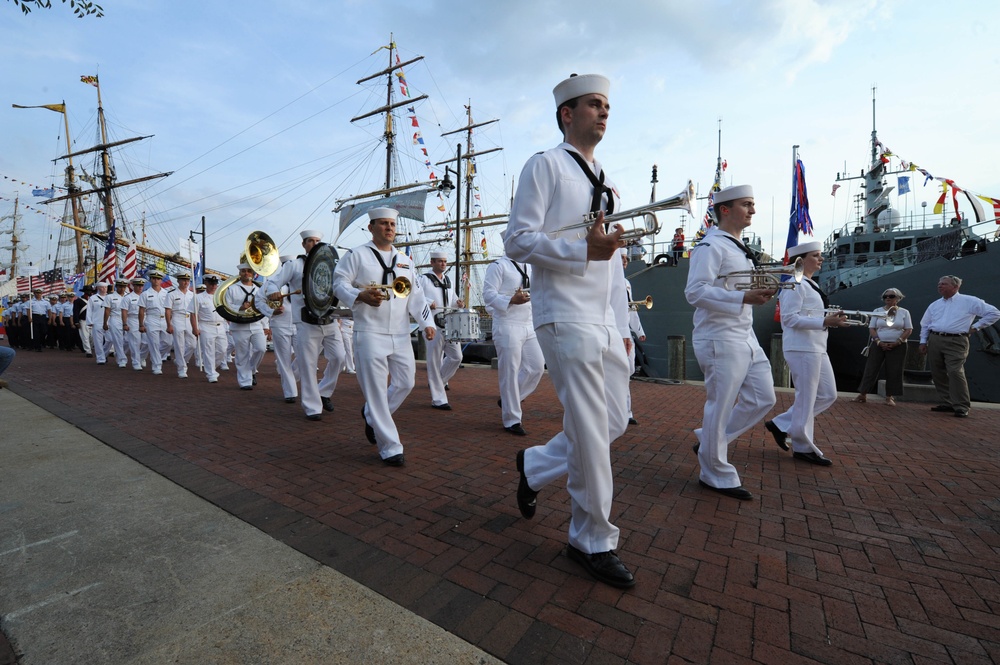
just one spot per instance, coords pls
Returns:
(14, 240)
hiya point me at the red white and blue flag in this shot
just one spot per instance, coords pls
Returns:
(109, 268)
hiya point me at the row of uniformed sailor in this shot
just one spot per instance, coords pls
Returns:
(443, 357)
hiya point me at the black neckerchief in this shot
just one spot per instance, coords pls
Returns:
(826, 301)
(598, 182)
(525, 280)
(387, 271)
(246, 294)
(745, 250)
(445, 285)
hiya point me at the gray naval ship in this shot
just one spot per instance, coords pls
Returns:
(879, 250)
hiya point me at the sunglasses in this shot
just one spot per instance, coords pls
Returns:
(889, 297)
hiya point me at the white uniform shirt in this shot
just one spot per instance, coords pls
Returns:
(719, 313)
(113, 304)
(802, 319)
(554, 192)
(95, 313)
(130, 305)
(955, 315)
(634, 323)
(288, 278)
(358, 269)
(501, 281)
(283, 321)
(182, 303)
(155, 303)
(436, 296)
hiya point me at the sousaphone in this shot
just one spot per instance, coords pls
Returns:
(262, 254)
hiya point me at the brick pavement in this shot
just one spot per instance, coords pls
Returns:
(889, 556)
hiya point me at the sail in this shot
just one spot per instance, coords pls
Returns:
(409, 204)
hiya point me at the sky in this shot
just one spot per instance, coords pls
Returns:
(250, 103)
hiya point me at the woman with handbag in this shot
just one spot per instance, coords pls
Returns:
(886, 346)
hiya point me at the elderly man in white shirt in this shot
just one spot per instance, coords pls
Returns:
(944, 337)
(739, 389)
(382, 346)
(520, 365)
(578, 292)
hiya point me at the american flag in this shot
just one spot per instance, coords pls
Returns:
(50, 282)
(109, 269)
(131, 266)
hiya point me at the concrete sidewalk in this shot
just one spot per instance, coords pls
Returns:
(104, 561)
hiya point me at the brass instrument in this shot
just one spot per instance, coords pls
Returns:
(766, 277)
(278, 299)
(400, 287)
(859, 318)
(635, 304)
(650, 225)
(262, 254)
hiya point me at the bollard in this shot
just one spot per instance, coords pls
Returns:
(676, 357)
(779, 368)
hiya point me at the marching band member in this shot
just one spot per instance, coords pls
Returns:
(184, 323)
(577, 291)
(381, 328)
(443, 357)
(311, 336)
(212, 340)
(248, 337)
(728, 353)
(282, 334)
(112, 322)
(804, 324)
(519, 358)
(634, 326)
(134, 339)
(80, 309)
(154, 308)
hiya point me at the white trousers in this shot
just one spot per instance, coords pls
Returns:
(735, 372)
(631, 371)
(284, 341)
(519, 367)
(309, 341)
(443, 360)
(157, 339)
(589, 369)
(347, 334)
(117, 339)
(135, 343)
(251, 345)
(815, 392)
(212, 344)
(85, 337)
(381, 359)
(100, 338)
(184, 343)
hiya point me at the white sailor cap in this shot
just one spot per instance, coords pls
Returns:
(244, 266)
(439, 255)
(312, 233)
(154, 273)
(184, 275)
(382, 213)
(138, 280)
(577, 86)
(121, 282)
(732, 193)
(102, 283)
(805, 248)
(200, 287)
(286, 257)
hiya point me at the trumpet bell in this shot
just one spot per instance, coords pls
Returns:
(767, 277)
(647, 302)
(400, 287)
(650, 224)
(262, 253)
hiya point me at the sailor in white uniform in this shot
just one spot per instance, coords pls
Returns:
(739, 389)
(212, 340)
(135, 344)
(184, 323)
(248, 337)
(443, 357)
(154, 308)
(577, 291)
(101, 338)
(312, 336)
(804, 324)
(507, 297)
(381, 328)
(635, 329)
(113, 324)
(282, 334)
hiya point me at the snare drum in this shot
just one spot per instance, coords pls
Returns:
(462, 325)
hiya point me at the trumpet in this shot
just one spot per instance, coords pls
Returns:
(650, 225)
(859, 318)
(278, 299)
(765, 277)
(400, 287)
(635, 304)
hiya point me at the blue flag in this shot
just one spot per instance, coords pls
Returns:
(904, 184)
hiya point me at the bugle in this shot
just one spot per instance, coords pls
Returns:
(647, 302)
(650, 225)
(765, 277)
(400, 287)
(858, 318)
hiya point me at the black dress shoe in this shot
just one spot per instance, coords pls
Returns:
(441, 407)
(813, 458)
(395, 460)
(779, 436)
(603, 566)
(500, 402)
(369, 430)
(516, 429)
(254, 381)
(327, 404)
(732, 492)
(526, 497)
(290, 400)
(943, 408)
(246, 387)
(695, 448)
(632, 421)
(314, 416)
(961, 414)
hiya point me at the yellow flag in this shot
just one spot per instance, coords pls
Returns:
(58, 108)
